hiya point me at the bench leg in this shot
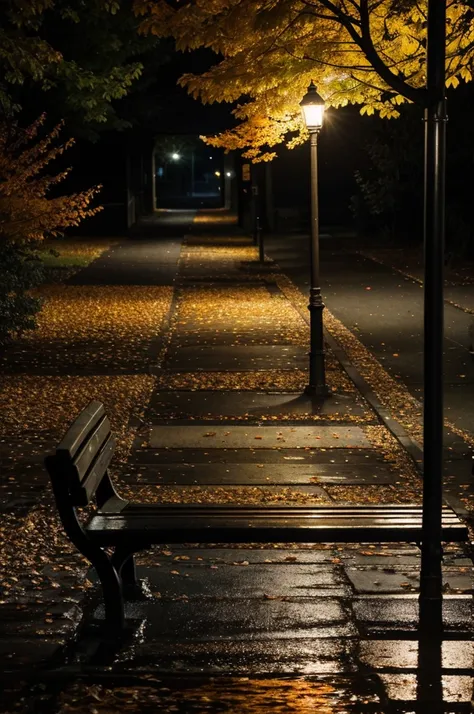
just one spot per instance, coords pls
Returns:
(107, 573)
(124, 562)
(128, 572)
(112, 590)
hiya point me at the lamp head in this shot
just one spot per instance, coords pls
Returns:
(312, 108)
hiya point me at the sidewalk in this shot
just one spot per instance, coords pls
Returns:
(216, 413)
(458, 274)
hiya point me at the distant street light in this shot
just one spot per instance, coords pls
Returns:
(217, 173)
(312, 107)
(175, 156)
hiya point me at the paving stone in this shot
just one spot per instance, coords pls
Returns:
(244, 437)
(277, 556)
(18, 652)
(230, 337)
(222, 239)
(165, 455)
(239, 619)
(391, 613)
(258, 474)
(313, 494)
(243, 657)
(379, 580)
(48, 619)
(455, 690)
(263, 326)
(243, 581)
(388, 559)
(399, 653)
(22, 483)
(240, 358)
(166, 405)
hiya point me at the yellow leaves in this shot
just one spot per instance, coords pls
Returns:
(27, 214)
(271, 51)
(452, 81)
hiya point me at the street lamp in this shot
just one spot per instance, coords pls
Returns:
(312, 107)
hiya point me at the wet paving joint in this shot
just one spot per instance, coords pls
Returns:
(281, 627)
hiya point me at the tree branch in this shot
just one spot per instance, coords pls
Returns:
(364, 41)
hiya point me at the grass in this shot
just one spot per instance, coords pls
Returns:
(74, 252)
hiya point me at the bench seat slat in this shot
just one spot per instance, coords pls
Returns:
(176, 524)
(324, 533)
(238, 509)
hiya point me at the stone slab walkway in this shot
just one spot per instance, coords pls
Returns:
(339, 622)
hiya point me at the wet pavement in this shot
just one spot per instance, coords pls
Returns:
(280, 628)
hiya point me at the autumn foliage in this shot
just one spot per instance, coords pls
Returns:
(366, 52)
(29, 214)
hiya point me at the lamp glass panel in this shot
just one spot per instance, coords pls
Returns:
(313, 115)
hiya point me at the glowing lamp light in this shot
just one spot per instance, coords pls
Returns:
(228, 174)
(175, 156)
(217, 173)
(312, 108)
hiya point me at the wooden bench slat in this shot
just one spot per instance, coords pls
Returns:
(91, 447)
(244, 524)
(213, 508)
(324, 533)
(80, 428)
(96, 473)
(240, 510)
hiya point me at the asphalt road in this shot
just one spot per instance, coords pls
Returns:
(385, 310)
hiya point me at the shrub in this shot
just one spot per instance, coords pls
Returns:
(28, 215)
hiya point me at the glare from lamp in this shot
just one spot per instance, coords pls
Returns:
(175, 156)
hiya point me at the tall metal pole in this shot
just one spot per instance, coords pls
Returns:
(259, 233)
(317, 374)
(435, 159)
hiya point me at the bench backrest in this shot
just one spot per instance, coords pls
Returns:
(78, 469)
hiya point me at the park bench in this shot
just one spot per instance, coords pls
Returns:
(79, 471)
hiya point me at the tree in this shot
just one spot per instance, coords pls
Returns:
(367, 52)
(389, 179)
(29, 214)
(73, 58)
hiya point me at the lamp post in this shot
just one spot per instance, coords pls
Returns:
(312, 107)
